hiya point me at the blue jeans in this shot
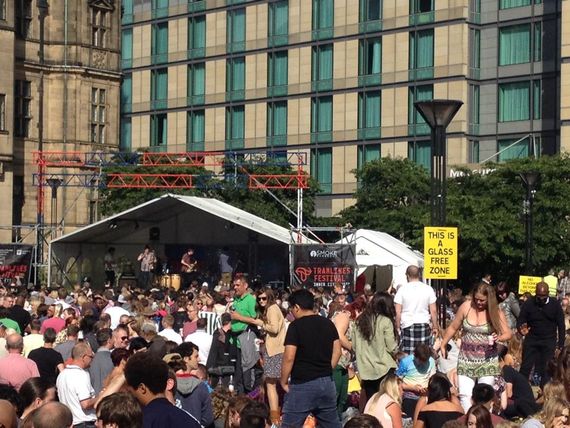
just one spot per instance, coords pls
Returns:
(317, 396)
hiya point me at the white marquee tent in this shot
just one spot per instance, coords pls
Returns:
(381, 249)
(181, 222)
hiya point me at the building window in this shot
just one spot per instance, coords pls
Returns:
(235, 127)
(159, 8)
(475, 59)
(321, 119)
(277, 73)
(421, 55)
(2, 10)
(159, 88)
(321, 168)
(507, 4)
(513, 148)
(369, 114)
(322, 67)
(127, 93)
(473, 152)
(196, 83)
(367, 153)
(416, 123)
(235, 78)
(99, 27)
(98, 115)
(370, 15)
(536, 99)
(22, 108)
(127, 12)
(421, 12)
(519, 44)
(235, 31)
(197, 36)
(420, 153)
(2, 112)
(196, 131)
(159, 43)
(323, 19)
(158, 131)
(370, 61)
(277, 124)
(474, 108)
(126, 48)
(125, 142)
(514, 101)
(23, 18)
(278, 25)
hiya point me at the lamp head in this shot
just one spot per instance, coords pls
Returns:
(438, 112)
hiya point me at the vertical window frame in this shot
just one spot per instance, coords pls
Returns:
(98, 116)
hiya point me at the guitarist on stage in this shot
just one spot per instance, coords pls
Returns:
(188, 268)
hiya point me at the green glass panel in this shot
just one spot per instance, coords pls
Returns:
(196, 131)
(159, 8)
(126, 135)
(514, 44)
(321, 124)
(537, 51)
(321, 168)
(159, 88)
(127, 48)
(159, 48)
(537, 99)
(128, 11)
(235, 30)
(323, 19)
(126, 93)
(197, 36)
(507, 4)
(369, 114)
(514, 101)
(418, 126)
(277, 123)
(515, 151)
(278, 28)
(235, 127)
(158, 130)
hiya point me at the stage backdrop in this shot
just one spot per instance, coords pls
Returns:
(324, 265)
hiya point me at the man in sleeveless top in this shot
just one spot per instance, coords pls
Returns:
(415, 307)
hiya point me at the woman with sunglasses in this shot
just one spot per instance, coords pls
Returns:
(271, 320)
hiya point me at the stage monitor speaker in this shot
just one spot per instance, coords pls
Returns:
(154, 234)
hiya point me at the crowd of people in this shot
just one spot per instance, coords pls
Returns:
(232, 356)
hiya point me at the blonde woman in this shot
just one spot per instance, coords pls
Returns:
(386, 404)
(483, 324)
(554, 414)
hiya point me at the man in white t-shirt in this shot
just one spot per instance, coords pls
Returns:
(415, 307)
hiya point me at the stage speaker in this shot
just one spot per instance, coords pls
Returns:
(154, 234)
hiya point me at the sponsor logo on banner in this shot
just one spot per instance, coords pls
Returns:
(14, 262)
(324, 265)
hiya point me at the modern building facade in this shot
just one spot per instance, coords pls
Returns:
(337, 79)
(76, 59)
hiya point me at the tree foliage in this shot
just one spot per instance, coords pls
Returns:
(488, 210)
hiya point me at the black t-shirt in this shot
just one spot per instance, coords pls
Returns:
(313, 336)
(21, 316)
(47, 361)
(521, 387)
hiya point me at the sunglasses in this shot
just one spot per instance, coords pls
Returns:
(123, 338)
(262, 298)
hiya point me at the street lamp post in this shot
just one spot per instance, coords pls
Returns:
(54, 184)
(438, 114)
(529, 179)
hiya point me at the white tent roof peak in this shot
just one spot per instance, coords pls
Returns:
(169, 205)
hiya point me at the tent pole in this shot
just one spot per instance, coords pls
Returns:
(49, 266)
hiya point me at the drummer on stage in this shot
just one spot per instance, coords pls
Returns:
(188, 268)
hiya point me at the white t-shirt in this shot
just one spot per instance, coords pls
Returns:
(170, 334)
(415, 298)
(73, 386)
(115, 312)
(204, 342)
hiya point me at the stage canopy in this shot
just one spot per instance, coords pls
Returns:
(171, 224)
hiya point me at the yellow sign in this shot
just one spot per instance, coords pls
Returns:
(527, 284)
(440, 252)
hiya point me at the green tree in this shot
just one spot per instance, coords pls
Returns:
(393, 196)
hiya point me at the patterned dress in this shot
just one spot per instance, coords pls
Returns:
(476, 357)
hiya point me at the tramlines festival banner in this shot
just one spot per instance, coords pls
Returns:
(324, 265)
(14, 262)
